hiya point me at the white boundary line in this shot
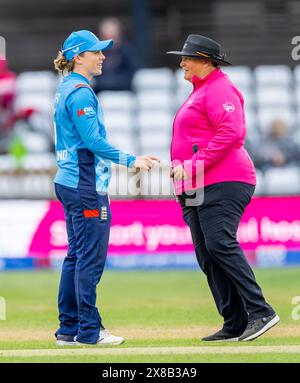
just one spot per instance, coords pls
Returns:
(287, 349)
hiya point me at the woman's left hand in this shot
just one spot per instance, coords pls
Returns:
(178, 173)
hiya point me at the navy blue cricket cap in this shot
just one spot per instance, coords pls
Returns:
(81, 41)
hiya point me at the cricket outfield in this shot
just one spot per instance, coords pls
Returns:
(162, 315)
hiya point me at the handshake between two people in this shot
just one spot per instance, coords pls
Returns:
(147, 162)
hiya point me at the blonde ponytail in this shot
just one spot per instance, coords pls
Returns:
(62, 65)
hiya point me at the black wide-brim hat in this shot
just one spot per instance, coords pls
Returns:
(203, 48)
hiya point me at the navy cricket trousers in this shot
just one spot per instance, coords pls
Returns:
(88, 223)
(214, 224)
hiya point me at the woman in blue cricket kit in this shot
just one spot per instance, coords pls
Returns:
(84, 159)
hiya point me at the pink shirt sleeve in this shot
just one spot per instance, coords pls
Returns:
(224, 110)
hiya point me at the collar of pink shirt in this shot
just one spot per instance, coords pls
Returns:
(199, 81)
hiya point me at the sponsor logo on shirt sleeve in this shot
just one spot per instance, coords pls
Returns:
(229, 107)
(87, 111)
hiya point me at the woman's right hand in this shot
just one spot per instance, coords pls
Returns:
(145, 162)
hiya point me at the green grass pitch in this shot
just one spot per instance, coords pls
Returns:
(162, 315)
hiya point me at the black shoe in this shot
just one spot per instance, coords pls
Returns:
(221, 335)
(65, 340)
(259, 326)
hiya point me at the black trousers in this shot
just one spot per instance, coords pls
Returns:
(213, 225)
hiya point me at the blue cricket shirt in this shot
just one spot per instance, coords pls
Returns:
(83, 154)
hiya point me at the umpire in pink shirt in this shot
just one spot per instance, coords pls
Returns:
(209, 160)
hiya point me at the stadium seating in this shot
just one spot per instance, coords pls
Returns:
(36, 90)
(284, 180)
(120, 126)
(274, 96)
(155, 132)
(123, 141)
(280, 75)
(241, 76)
(124, 101)
(260, 187)
(42, 103)
(120, 121)
(267, 114)
(155, 100)
(40, 161)
(119, 115)
(297, 75)
(7, 163)
(156, 78)
(40, 82)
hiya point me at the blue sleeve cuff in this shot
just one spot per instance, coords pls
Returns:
(131, 160)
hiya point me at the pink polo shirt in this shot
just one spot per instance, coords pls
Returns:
(212, 118)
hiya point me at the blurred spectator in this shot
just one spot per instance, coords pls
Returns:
(278, 148)
(7, 96)
(120, 63)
